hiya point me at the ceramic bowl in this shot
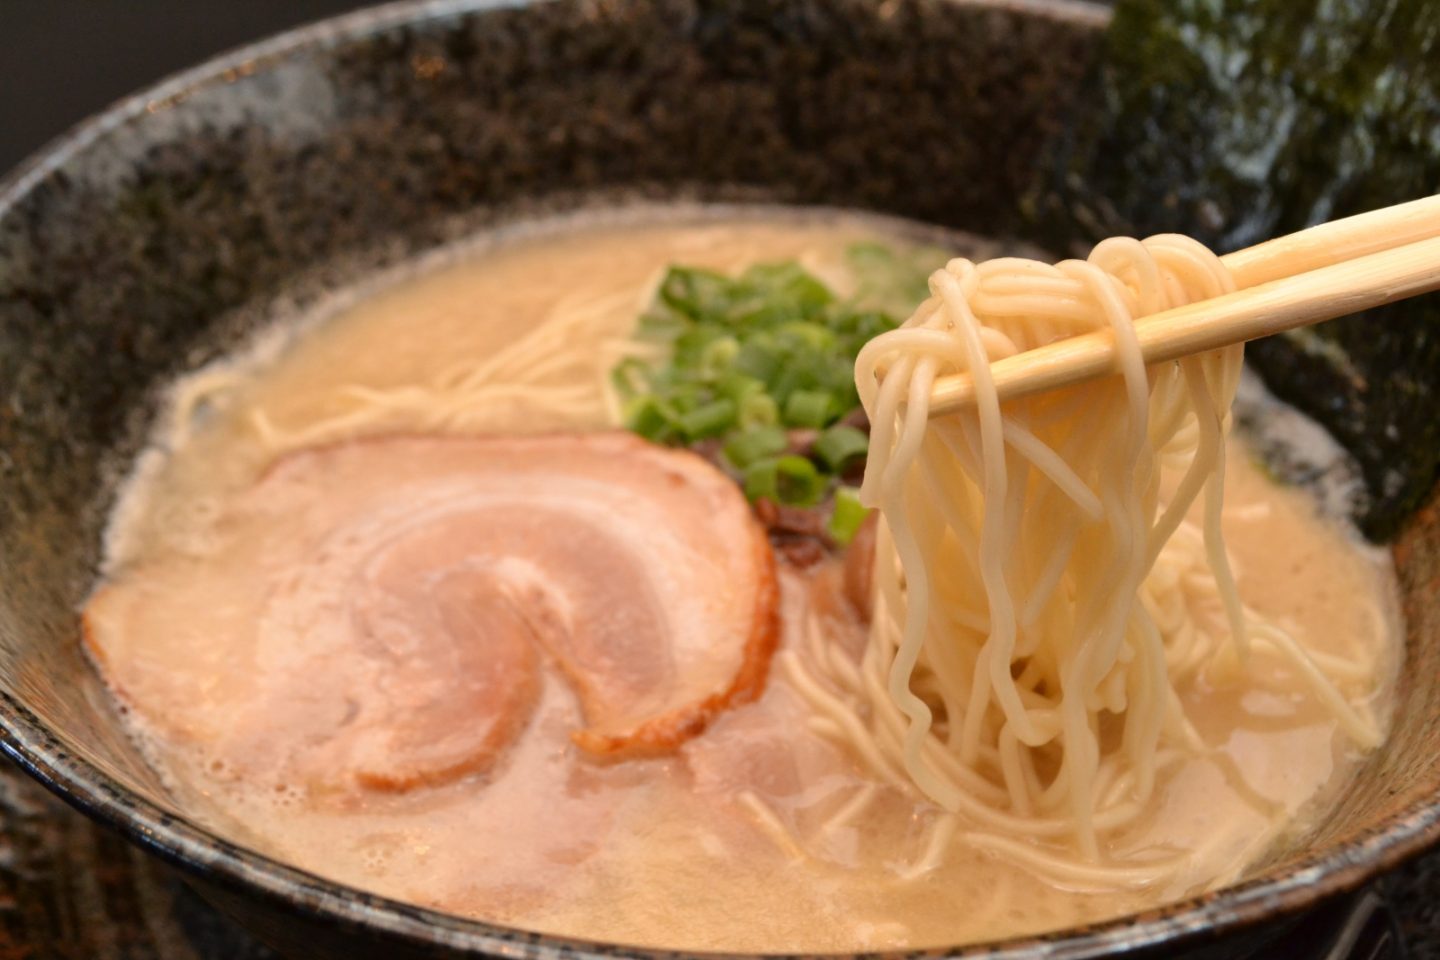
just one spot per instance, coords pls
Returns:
(153, 237)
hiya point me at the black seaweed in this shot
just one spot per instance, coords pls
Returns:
(1238, 120)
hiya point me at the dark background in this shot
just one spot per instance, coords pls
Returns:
(63, 60)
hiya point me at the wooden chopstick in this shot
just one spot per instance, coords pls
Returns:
(1318, 274)
(1335, 242)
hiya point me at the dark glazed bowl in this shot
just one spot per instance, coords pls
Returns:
(151, 238)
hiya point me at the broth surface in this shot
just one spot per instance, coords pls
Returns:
(748, 839)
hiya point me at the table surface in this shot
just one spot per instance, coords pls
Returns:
(70, 890)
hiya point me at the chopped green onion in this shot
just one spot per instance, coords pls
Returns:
(748, 446)
(661, 323)
(790, 285)
(814, 338)
(808, 408)
(692, 345)
(738, 387)
(790, 480)
(800, 483)
(717, 356)
(839, 446)
(759, 357)
(749, 356)
(693, 292)
(847, 516)
(708, 420)
(647, 418)
(758, 410)
(629, 377)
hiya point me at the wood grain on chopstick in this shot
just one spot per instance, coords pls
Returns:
(1335, 242)
(1284, 283)
(1292, 301)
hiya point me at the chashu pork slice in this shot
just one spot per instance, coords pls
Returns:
(383, 612)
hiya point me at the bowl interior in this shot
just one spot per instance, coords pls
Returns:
(155, 237)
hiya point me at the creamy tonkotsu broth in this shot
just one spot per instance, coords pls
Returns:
(219, 632)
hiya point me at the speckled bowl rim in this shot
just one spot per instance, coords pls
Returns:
(196, 851)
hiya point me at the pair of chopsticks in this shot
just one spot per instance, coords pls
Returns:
(1327, 271)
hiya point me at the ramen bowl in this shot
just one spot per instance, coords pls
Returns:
(158, 235)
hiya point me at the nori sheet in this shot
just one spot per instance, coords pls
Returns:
(1239, 120)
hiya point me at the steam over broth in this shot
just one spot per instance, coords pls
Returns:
(756, 833)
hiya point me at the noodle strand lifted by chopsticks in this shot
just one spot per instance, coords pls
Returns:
(1034, 597)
